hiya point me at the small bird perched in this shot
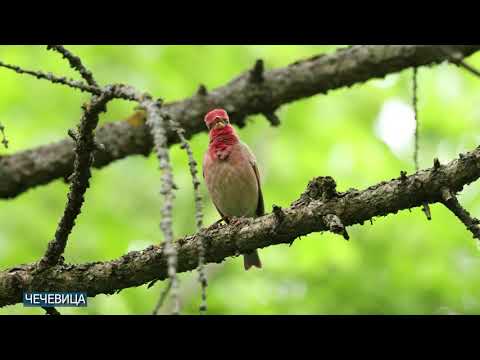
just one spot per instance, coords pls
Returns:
(231, 175)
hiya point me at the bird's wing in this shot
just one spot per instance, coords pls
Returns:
(260, 207)
(223, 216)
(253, 161)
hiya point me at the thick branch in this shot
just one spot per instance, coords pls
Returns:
(241, 97)
(303, 217)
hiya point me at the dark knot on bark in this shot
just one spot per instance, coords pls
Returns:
(322, 187)
(319, 188)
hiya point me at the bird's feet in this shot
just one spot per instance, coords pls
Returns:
(216, 224)
(228, 220)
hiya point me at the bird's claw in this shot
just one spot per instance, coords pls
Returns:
(216, 224)
(228, 220)
(219, 221)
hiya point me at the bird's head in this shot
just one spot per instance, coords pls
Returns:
(217, 119)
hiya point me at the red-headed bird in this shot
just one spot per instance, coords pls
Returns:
(231, 175)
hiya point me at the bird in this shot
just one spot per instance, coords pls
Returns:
(231, 175)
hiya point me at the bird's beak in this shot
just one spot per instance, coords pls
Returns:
(219, 125)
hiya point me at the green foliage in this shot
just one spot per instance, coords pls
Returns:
(402, 264)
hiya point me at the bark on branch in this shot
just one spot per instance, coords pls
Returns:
(85, 143)
(452, 203)
(304, 216)
(241, 97)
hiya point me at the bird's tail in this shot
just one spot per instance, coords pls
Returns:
(251, 259)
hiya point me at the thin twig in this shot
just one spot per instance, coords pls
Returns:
(157, 125)
(457, 59)
(335, 225)
(415, 110)
(118, 91)
(162, 298)
(452, 203)
(55, 79)
(425, 206)
(468, 67)
(257, 73)
(198, 212)
(75, 63)
(4, 138)
(272, 118)
(84, 147)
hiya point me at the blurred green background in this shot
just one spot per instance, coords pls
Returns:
(402, 264)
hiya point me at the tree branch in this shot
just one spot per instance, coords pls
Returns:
(75, 84)
(75, 63)
(80, 178)
(157, 124)
(4, 138)
(304, 216)
(162, 298)
(457, 58)
(241, 97)
(451, 202)
(51, 311)
(425, 206)
(192, 164)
